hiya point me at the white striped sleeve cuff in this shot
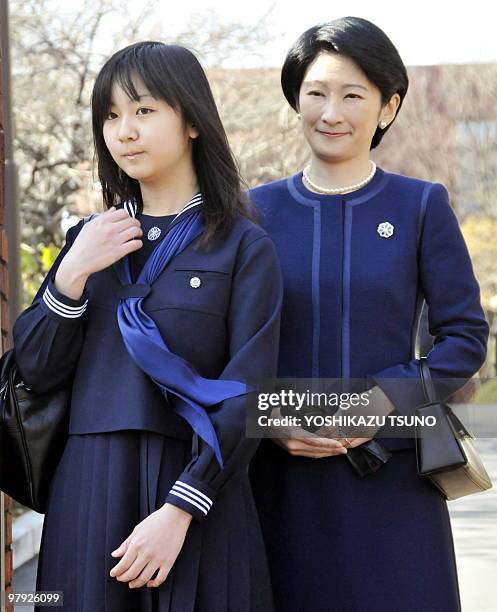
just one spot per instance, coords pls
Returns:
(62, 305)
(190, 499)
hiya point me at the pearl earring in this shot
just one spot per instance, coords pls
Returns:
(383, 125)
(299, 116)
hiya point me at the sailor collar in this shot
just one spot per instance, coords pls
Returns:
(131, 207)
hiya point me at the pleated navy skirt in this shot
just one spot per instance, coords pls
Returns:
(106, 484)
(335, 541)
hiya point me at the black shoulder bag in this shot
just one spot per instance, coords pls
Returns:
(446, 452)
(33, 434)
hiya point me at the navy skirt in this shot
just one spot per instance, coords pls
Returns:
(335, 541)
(105, 484)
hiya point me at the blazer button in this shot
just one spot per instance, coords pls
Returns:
(195, 282)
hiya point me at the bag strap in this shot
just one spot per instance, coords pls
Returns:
(421, 218)
(426, 381)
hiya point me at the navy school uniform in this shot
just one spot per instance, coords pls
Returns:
(128, 452)
(355, 269)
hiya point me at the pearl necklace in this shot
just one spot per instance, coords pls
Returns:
(339, 190)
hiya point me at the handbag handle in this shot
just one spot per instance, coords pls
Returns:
(426, 381)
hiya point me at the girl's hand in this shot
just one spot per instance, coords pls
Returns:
(99, 244)
(154, 544)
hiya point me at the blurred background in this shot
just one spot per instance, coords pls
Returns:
(446, 132)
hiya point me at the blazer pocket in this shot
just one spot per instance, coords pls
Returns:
(206, 291)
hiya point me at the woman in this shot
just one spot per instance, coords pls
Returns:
(157, 311)
(359, 247)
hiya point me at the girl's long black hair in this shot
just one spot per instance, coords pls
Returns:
(171, 73)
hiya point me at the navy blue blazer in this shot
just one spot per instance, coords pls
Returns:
(228, 327)
(356, 268)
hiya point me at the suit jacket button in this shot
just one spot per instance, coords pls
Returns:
(195, 282)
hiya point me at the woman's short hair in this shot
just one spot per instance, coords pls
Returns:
(361, 41)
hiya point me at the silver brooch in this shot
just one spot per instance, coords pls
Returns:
(153, 233)
(195, 282)
(385, 229)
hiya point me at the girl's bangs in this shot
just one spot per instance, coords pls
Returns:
(124, 72)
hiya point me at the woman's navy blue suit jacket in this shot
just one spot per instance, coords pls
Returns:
(354, 287)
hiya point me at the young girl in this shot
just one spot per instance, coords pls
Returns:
(360, 248)
(157, 311)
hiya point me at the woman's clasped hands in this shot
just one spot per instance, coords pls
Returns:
(330, 441)
(300, 442)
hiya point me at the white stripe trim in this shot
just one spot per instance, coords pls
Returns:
(130, 208)
(70, 312)
(199, 493)
(191, 498)
(183, 210)
(190, 501)
(188, 207)
(190, 495)
(47, 290)
(195, 201)
(196, 198)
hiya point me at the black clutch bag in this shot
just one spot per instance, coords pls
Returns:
(446, 452)
(33, 433)
(368, 457)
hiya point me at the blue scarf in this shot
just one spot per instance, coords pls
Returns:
(170, 372)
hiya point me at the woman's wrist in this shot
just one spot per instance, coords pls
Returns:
(181, 515)
(70, 280)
